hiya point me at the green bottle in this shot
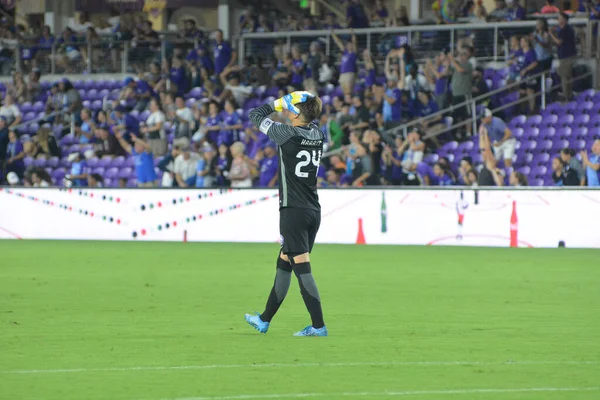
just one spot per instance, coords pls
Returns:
(383, 214)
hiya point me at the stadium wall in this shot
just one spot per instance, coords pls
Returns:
(415, 217)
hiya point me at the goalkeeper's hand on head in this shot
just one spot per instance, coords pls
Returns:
(289, 101)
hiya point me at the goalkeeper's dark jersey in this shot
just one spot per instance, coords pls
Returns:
(300, 151)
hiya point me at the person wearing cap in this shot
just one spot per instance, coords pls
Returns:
(500, 136)
(124, 121)
(564, 38)
(144, 162)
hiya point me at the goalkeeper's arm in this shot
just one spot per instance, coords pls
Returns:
(276, 131)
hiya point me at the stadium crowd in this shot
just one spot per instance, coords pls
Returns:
(183, 121)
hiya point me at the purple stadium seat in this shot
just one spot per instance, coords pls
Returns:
(545, 145)
(28, 161)
(64, 162)
(580, 133)
(533, 121)
(26, 107)
(191, 102)
(593, 133)
(548, 133)
(131, 183)
(531, 133)
(563, 133)
(105, 162)
(524, 158)
(103, 93)
(111, 173)
(98, 170)
(586, 95)
(464, 147)
(529, 146)
(326, 99)
(578, 144)
(565, 120)
(30, 116)
(33, 128)
(87, 103)
(73, 148)
(554, 107)
(536, 182)
(67, 140)
(52, 162)
(431, 158)
(450, 146)
(570, 107)
(130, 162)
(125, 173)
(594, 121)
(58, 175)
(558, 145)
(539, 171)
(144, 116)
(38, 107)
(118, 162)
(524, 170)
(581, 120)
(518, 132)
(96, 105)
(519, 121)
(39, 162)
(156, 161)
(92, 162)
(545, 113)
(550, 120)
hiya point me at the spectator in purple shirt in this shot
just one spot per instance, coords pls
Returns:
(348, 63)
(370, 71)
(356, 16)
(222, 52)
(298, 68)
(268, 166)
(232, 123)
(200, 58)
(178, 77)
(514, 53)
(527, 68)
(440, 176)
(380, 15)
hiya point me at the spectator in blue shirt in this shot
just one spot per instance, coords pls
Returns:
(564, 38)
(15, 155)
(200, 58)
(441, 177)
(514, 54)
(79, 170)
(222, 52)
(592, 164)
(213, 123)
(232, 124)
(392, 104)
(542, 45)
(85, 130)
(144, 161)
(500, 137)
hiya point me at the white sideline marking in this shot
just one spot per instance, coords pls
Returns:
(388, 393)
(293, 365)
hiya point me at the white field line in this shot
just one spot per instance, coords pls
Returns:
(293, 365)
(388, 393)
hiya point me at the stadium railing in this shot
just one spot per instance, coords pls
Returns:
(489, 39)
(106, 54)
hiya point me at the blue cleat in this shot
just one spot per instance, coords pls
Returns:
(257, 323)
(310, 331)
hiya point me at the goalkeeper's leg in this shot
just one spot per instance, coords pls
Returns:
(280, 288)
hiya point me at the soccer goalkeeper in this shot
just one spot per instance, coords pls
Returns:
(300, 151)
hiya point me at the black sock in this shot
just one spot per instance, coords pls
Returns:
(280, 288)
(310, 293)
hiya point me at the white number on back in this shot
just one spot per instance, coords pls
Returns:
(307, 159)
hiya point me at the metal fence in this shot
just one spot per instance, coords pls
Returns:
(488, 39)
(106, 54)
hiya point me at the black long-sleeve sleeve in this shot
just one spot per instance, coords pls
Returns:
(277, 132)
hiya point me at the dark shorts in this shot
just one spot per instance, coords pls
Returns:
(530, 83)
(298, 228)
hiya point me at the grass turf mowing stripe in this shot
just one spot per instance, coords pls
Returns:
(390, 393)
(295, 365)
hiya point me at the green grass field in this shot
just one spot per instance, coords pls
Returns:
(156, 321)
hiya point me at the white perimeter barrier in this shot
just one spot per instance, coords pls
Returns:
(418, 217)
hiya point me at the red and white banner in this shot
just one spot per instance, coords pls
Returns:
(524, 218)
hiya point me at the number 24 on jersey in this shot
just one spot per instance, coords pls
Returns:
(307, 159)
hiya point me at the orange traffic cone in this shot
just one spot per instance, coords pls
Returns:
(360, 239)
